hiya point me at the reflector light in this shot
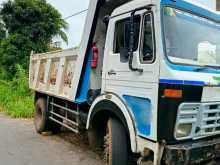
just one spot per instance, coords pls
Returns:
(95, 56)
(173, 93)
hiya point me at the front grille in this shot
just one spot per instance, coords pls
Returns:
(204, 117)
(210, 119)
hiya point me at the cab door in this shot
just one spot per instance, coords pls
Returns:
(139, 90)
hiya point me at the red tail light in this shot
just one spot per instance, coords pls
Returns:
(95, 56)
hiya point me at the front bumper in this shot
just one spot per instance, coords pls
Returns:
(192, 152)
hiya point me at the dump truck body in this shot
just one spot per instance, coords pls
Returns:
(146, 72)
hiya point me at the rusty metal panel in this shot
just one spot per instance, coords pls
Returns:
(33, 72)
(68, 75)
(42, 72)
(54, 73)
(40, 79)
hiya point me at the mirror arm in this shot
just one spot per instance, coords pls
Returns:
(131, 65)
(131, 43)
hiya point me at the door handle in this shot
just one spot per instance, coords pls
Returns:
(112, 72)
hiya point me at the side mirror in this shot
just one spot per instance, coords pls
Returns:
(131, 44)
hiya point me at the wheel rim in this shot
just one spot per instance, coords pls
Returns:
(108, 144)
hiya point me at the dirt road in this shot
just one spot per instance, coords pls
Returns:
(20, 145)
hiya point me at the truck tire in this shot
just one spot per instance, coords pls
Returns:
(41, 118)
(116, 149)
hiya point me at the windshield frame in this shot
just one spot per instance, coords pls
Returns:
(196, 66)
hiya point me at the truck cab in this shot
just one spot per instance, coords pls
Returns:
(145, 80)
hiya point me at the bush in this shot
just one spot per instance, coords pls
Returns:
(15, 97)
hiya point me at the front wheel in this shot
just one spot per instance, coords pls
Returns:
(116, 149)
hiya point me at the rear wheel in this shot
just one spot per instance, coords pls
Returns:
(41, 118)
(116, 149)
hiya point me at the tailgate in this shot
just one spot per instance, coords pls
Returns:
(53, 73)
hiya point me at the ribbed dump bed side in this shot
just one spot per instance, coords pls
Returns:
(53, 73)
(60, 73)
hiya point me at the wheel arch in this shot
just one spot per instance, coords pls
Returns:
(38, 95)
(109, 105)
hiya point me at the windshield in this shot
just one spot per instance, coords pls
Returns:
(191, 39)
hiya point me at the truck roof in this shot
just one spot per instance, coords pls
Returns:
(137, 3)
(195, 2)
(194, 7)
(191, 5)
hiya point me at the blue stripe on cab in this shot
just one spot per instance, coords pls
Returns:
(182, 82)
(191, 68)
(191, 7)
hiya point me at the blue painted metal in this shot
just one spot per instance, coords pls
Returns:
(142, 110)
(192, 68)
(182, 82)
(192, 8)
(84, 87)
(181, 4)
(186, 82)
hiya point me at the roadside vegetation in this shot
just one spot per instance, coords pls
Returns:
(16, 99)
(25, 26)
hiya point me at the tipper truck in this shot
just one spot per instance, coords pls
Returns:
(144, 81)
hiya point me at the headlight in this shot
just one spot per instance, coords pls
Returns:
(183, 130)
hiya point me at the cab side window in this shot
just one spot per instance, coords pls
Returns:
(147, 48)
(122, 36)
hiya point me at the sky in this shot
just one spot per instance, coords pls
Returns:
(76, 24)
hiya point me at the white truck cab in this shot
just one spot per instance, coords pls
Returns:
(145, 80)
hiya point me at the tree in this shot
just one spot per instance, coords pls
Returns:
(31, 25)
(14, 50)
(2, 31)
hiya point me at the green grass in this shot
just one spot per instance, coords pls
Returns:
(16, 99)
